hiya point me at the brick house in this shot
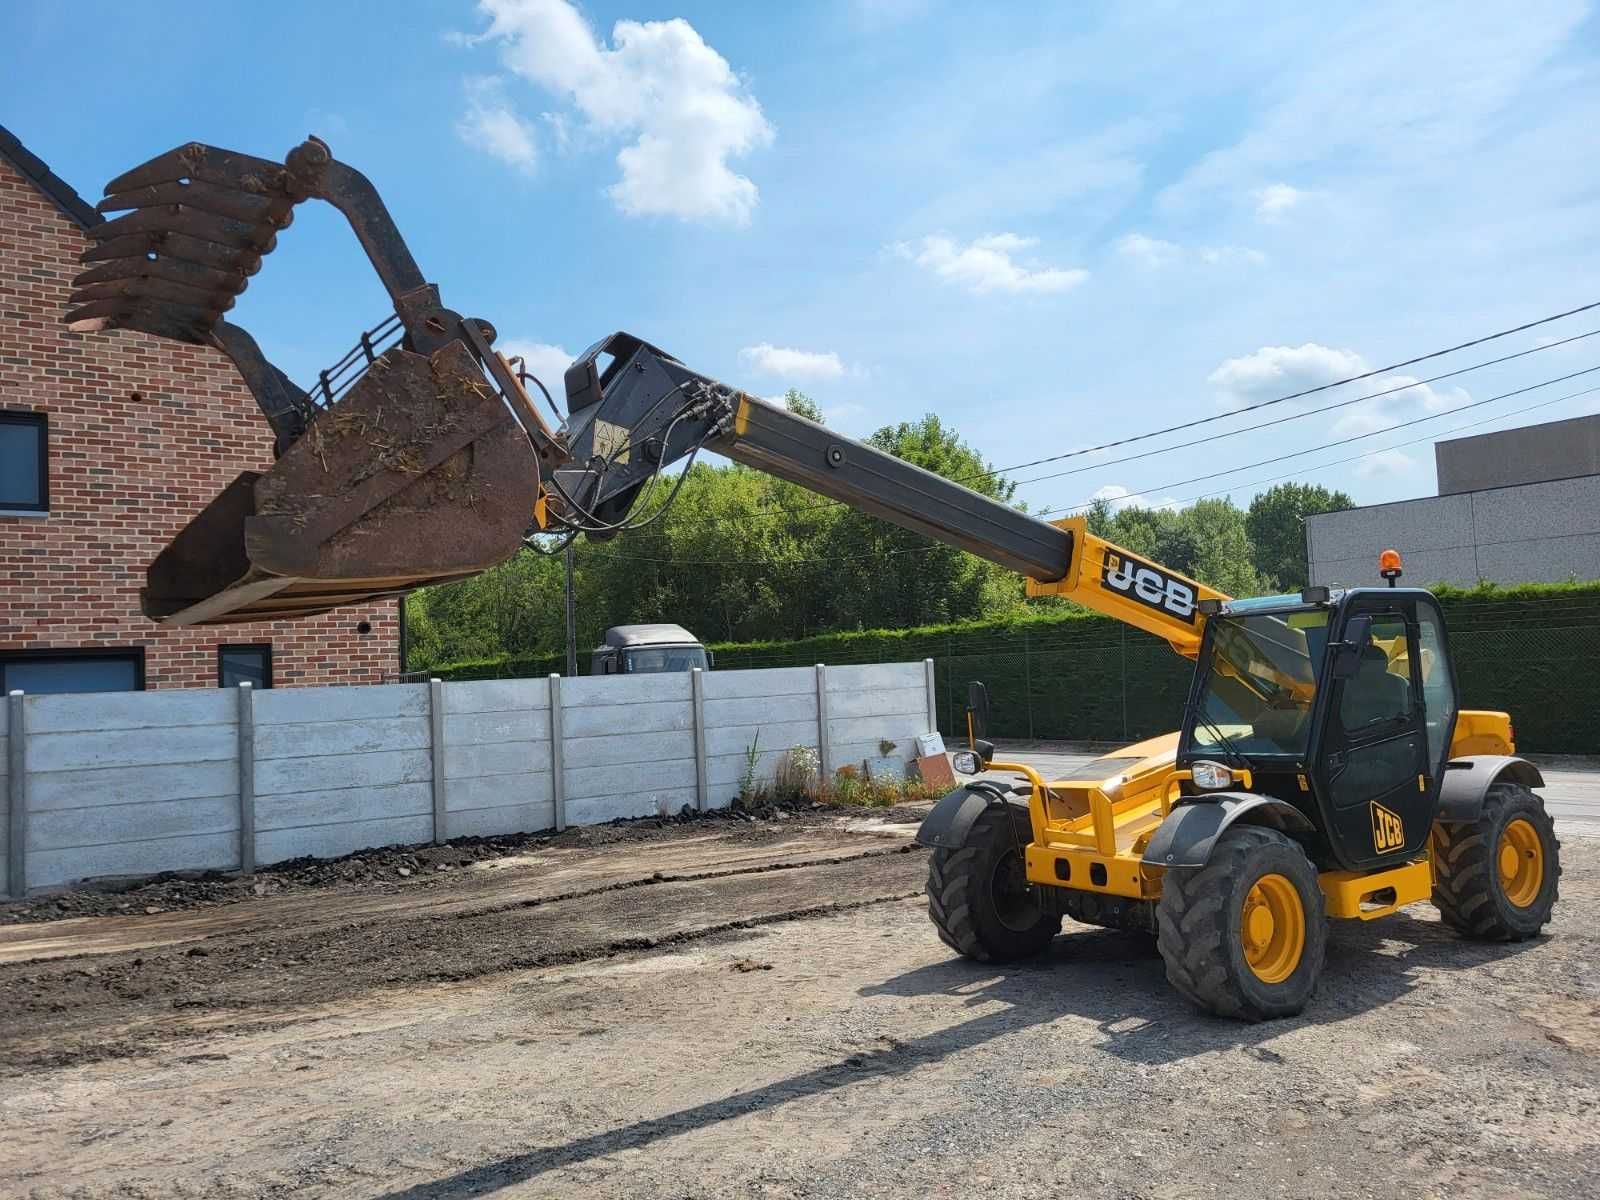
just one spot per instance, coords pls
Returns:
(109, 444)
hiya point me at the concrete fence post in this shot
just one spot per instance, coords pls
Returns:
(441, 815)
(247, 779)
(697, 697)
(928, 679)
(824, 765)
(17, 786)
(558, 767)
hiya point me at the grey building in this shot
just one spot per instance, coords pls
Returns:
(1517, 506)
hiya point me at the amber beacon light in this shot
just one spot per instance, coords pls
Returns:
(1389, 565)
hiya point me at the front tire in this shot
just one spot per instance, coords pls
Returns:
(1245, 935)
(1495, 879)
(979, 898)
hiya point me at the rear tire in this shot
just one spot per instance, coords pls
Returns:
(1496, 878)
(1245, 935)
(978, 898)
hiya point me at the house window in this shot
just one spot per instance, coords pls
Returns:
(245, 664)
(24, 482)
(52, 672)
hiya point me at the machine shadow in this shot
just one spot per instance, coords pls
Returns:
(1115, 979)
(1118, 981)
(896, 1058)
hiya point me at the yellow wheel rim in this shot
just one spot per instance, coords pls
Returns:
(1272, 926)
(1520, 858)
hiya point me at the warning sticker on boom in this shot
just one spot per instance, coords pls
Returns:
(611, 440)
(1149, 585)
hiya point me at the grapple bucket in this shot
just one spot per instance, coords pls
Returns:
(418, 475)
(424, 468)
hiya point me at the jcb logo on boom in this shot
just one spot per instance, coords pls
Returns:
(1149, 586)
(1388, 831)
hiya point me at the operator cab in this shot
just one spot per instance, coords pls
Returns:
(1342, 703)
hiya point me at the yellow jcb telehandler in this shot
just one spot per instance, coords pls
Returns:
(1323, 767)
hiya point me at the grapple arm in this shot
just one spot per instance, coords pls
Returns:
(415, 459)
(197, 222)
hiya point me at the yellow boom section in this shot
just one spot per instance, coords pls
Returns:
(1109, 579)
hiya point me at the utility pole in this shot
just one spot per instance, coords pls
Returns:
(572, 622)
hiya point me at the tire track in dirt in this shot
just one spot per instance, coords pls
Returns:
(69, 1010)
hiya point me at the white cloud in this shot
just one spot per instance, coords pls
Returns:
(987, 264)
(490, 124)
(1121, 498)
(1152, 252)
(657, 83)
(1385, 463)
(796, 364)
(545, 362)
(1276, 199)
(1274, 371)
(1218, 255)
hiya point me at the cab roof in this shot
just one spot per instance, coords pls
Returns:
(628, 636)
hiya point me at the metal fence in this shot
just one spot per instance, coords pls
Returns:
(1121, 685)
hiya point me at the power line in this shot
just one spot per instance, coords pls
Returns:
(1346, 441)
(816, 505)
(1084, 505)
(1311, 412)
(1356, 457)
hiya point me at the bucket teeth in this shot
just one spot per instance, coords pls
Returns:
(203, 197)
(208, 164)
(191, 222)
(185, 249)
(195, 224)
(174, 270)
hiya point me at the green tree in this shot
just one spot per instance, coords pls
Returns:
(1207, 541)
(878, 575)
(802, 405)
(1276, 524)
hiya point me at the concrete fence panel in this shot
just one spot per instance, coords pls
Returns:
(340, 769)
(136, 783)
(871, 704)
(130, 784)
(496, 758)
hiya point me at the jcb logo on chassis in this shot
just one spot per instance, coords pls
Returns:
(1149, 586)
(1388, 831)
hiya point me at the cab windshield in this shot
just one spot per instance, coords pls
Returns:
(1259, 679)
(652, 659)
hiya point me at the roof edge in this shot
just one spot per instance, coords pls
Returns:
(37, 172)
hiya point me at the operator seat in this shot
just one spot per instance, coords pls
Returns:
(1374, 693)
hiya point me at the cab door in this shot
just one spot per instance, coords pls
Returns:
(1373, 770)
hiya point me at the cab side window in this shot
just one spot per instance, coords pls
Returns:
(1379, 693)
(1438, 695)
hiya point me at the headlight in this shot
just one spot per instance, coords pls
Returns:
(1210, 775)
(965, 762)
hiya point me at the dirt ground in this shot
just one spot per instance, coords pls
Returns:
(762, 1010)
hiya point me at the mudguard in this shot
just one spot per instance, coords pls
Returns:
(1467, 781)
(952, 819)
(1190, 832)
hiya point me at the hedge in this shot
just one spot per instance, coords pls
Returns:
(1527, 650)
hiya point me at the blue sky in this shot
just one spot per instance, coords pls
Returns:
(1054, 225)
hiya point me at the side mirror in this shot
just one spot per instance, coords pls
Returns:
(1347, 654)
(711, 659)
(974, 761)
(977, 710)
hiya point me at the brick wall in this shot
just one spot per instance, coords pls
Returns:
(143, 432)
